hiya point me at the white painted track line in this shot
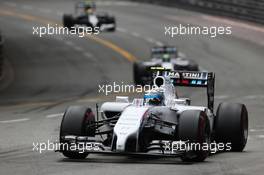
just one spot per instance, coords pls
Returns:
(54, 115)
(14, 121)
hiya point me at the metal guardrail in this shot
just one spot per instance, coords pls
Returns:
(252, 10)
(1, 54)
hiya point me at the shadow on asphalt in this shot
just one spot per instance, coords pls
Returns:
(143, 160)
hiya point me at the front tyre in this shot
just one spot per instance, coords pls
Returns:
(195, 129)
(194, 67)
(139, 72)
(231, 125)
(75, 122)
(113, 29)
(68, 21)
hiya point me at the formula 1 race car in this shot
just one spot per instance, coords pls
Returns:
(165, 56)
(85, 15)
(160, 124)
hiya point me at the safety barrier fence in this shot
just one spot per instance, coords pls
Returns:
(252, 10)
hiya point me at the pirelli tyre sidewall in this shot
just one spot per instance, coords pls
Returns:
(194, 128)
(231, 125)
(74, 122)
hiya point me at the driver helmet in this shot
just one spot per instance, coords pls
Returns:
(89, 7)
(166, 57)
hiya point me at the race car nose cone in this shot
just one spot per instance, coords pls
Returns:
(128, 125)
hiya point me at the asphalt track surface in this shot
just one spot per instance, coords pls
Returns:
(45, 75)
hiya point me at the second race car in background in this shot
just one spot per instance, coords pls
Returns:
(165, 56)
(85, 15)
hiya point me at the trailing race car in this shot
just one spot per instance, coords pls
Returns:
(165, 56)
(85, 15)
(157, 124)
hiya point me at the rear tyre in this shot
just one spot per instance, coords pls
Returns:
(193, 67)
(68, 21)
(139, 72)
(231, 125)
(74, 122)
(194, 127)
(113, 29)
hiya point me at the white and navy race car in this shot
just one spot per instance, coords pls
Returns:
(160, 124)
(164, 56)
(85, 15)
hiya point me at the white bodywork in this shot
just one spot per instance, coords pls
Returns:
(128, 124)
(93, 20)
(132, 114)
(114, 106)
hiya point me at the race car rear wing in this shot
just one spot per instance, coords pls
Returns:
(164, 50)
(190, 79)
